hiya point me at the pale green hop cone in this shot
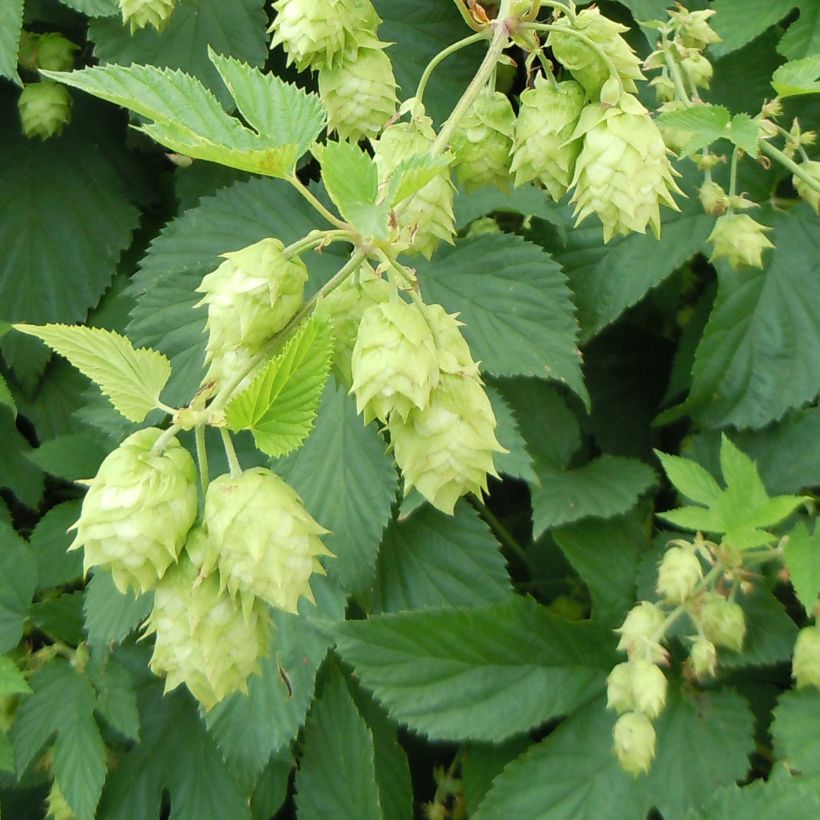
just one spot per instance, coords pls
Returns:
(446, 450)
(55, 52)
(250, 297)
(138, 14)
(359, 93)
(634, 743)
(426, 218)
(268, 545)
(45, 109)
(317, 33)
(203, 638)
(482, 142)
(454, 355)
(138, 511)
(345, 307)
(395, 361)
(807, 193)
(583, 62)
(739, 240)
(623, 173)
(542, 149)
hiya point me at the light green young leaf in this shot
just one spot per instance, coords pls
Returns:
(350, 177)
(130, 378)
(802, 556)
(5, 396)
(337, 773)
(706, 122)
(279, 111)
(798, 77)
(12, 681)
(796, 739)
(11, 24)
(743, 132)
(802, 39)
(689, 478)
(412, 175)
(520, 664)
(280, 404)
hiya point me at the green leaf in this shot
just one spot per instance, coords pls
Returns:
(280, 112)
(484, 673)
(760, 351)
(17, 473)
(272, 787)
(109, 615)
(5, 396)
(412, 174)
(18, 581)
(515, 304)
(798, 77)
(762, 800)
(237, 29)
(337, 775)
(574, 774)
(248, 728)
(796, 741)
(60, 617)
(802, 557)
(603, 488)
(199, 784)
(116, 697)
(279, 406)
(706, 122)
(71, 457)
(690, 479)
(481, 763)
(11, 24)
(740, 21)
(742, 132)
(12, 681)
(63, 701)
(131, 379)
(516, 462)
(348, 484)
(803, 36)
(437, 560)
(93, 8)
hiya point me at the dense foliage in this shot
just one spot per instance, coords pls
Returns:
(434, 427)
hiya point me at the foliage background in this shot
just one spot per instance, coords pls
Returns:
(595, 354)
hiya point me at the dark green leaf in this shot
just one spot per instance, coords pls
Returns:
(60, 618)
(72, 457)
(49, 543)
(796, 740)
(11, 23)
(110, 615)
(803, 36)
(116, 697)
(517, 462)
(481, 763)
(18, 580)
(762, 800)
(739, 21)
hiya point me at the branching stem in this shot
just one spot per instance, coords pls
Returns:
(318, 206)
(443, 55)
(790, 164)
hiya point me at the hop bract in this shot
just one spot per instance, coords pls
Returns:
(453, 352)
(251, 296)
(723, 622)
(427, 217)
(55, 52)
(807, 193)
(542, 149)
(138, 14)
(806, 660)
(739, 240)
(45, 109)
(359, 93)
(138, 511)
(623, 172)
(634, 742)
(482, 142)
(316, 33)
(640, 632)
(203, 638)
(265, 542)
(586, 66)
(394, 363)
(678, 575)
(703, 657)
(446, 450)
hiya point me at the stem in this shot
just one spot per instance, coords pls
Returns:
(165, 438)
(313, 239)
(233, 461)
(500, 530)
(676, 75)
(442, 55)
(201, 457)
(466, 16)
(733, 175)
(317, 205)
(790, 164)
(673, 616)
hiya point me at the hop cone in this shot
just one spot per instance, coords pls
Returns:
(446, 450)
(203, 639)
(542, 148)
(45, 109)
(139, 509)
(267, 543)
(739, 240)
(359, 93)
(454, 355)
(395, 362)
(586, 66)
(634, 742)
(346, 306)
(141, 13)
(55, 52)
(57, 807)
(427, 217)
(623, 172)
(250, 297)
(482, 142)
(807, 193)
(317, 33)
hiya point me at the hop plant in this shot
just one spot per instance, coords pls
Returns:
(623, 172)
(637, 686)
(345, 307)
(395, 361)
(723, 622)
(703, 657)
(453, 352)
(265, 544)
(698, 69)
(57, 807)
(714, 199)
(806, 660)
(138, 14)
(202, 637)
(427, 217)
(359, 93)
(45, 109)
(446, 449)
(695, 31)
(542, 149)
(634, 742)
(583, 62)
(55, 52)
(317, 33)
(674, 138)
(482, 142)
(251, 296)
(807, 193)
(639, 632)
(678, 575)
(739, 240)
(137, 513)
